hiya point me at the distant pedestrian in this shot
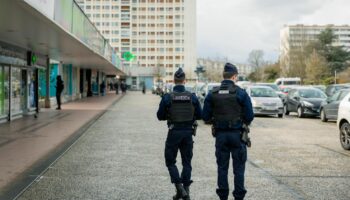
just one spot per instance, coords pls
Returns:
(103, 88)
(59, 88)
(116, 87)
(123, 87)
(110, 86)
(144, 88)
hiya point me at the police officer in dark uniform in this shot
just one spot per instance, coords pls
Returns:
(181, 109)
(229, 108)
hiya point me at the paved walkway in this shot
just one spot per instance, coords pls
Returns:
(25, 142)
(121, 157)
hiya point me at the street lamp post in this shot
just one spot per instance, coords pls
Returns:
(199, 70)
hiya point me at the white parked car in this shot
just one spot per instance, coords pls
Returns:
(265, 101)
(204, 91)
(343, 122)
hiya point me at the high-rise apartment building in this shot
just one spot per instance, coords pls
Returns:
(296, 37)
(160, 33)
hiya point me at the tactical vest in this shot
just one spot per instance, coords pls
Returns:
(181, 108)
(226, 108)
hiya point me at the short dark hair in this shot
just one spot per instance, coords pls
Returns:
(228, 75)
(178, 80)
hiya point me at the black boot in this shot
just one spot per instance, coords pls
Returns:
(180, 192)
(187, 189)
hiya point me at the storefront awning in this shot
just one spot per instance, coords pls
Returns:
(24, 26)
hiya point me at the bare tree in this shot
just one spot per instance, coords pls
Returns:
(256, 61)
(316, 68)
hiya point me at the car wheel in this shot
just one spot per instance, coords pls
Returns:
(323, 116)
(286, 112)
(345, 136)
(280, 115)
(300, 112)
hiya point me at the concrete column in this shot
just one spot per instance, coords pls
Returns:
(47, 75)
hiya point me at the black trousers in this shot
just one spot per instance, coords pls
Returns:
(58, 99)
(228, 144)
(179, 140)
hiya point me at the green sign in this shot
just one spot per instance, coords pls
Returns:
(128, 56)
(34, 59)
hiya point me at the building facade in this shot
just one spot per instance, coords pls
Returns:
(296, 37)
(45, 39)
(160, 33)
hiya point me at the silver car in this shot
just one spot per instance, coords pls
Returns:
(265, 101)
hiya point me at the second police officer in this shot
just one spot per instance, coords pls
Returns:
(229, 108)
(181, 109)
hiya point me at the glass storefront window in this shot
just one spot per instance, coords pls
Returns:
(31, 89)
(17, 91)
(4, 91)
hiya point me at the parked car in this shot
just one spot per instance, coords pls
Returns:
(281, 82)
(265, 101)
(285, 89)
(329, 108)
(343, 122)
(190, 88)
(204, 91)
(331, 89)
(282, 96)
(320, 87)
(305, 101)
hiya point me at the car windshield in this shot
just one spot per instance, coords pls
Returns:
(263, 92)
(339, 87)
(189, 88)
(291, 82)
(273, 86)
(311, 93)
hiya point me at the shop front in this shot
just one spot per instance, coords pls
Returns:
(17, 91)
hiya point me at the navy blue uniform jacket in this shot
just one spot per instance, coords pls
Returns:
(242, 98)
(166, 102)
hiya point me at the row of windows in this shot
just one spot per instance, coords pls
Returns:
(143, 25)
(178, 49)
(162, 17)
(97, 7)
(157, 1)
(103, 15)
(162, 66)
(161, 57)
(158, 41)
(101, 0)
(154, 33)
(167, 33)
(108, 32)
(114, 24)
(152, 9)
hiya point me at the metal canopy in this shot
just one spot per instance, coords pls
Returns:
(22, 25)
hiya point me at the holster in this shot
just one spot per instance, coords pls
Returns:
(213, 131)
(194, 127)
(245, 135)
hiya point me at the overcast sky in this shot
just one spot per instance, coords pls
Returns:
(232, 28)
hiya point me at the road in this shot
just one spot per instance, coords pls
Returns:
(121, 157)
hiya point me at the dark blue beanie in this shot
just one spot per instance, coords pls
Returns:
(230, 68)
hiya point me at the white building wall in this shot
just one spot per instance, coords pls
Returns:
(160, 32)
(293, 36)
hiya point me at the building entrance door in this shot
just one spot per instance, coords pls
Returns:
(4, 92)
(18, 92)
